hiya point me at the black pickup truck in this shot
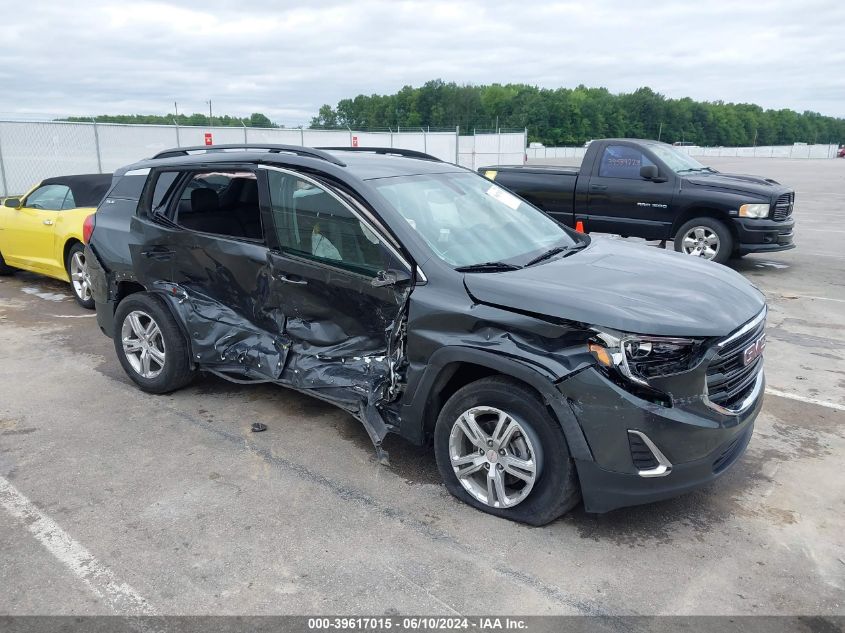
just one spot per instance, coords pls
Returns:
(648, 189)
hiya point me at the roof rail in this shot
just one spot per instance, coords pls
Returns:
(270, 147)
(408, 153)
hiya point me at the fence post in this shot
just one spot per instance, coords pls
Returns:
(391, 136)
(302, 136)
(498, 145)
(425, 141)
(525, 146)
(350, 135)
(457, 144)
(246, 141)
(3, 170)
(97, 146)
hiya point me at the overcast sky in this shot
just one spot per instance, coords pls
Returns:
(287, 58)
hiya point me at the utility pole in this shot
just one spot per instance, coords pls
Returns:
(176, 109)
(210, 117)
(660, 131)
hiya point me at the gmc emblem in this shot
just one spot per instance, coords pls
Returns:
(750, 354)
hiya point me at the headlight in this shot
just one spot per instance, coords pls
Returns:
(754, 210)
(639, 358)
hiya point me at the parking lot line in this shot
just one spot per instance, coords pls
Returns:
(100, 579)
(795, 396)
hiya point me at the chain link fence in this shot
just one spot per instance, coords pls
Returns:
(31, 151)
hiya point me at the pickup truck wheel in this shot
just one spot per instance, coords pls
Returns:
(707, 238)
(5, 269)
(150, 346)
(499, 450)
(77, 272)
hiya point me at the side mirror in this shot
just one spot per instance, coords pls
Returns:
(12, 203)
(390, 277)
(649, 172)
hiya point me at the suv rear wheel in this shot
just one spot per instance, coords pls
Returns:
(150, 346)
(499, 450)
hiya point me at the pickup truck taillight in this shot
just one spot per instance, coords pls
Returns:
(88, 228)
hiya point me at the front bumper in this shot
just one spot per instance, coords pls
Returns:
(699, 442)
(764, 236)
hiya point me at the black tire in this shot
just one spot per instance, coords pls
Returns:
(555, 490)
(177, 370)
(86, 300)
(726, 240)
(5, 269)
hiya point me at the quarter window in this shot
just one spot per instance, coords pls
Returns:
(48, 197)
(621, 161)
(313, 223)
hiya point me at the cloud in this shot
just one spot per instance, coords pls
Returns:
(286, 59)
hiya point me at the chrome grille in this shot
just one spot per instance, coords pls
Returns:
(729, 379)
(783, 206)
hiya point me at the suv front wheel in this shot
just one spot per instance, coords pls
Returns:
(499, 450)
(150, 346)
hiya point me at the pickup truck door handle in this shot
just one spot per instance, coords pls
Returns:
(158, 253)
(598, 187)
(290, 280)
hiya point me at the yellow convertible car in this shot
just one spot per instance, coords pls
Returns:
(42, 230)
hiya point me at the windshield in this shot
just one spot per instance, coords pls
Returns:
(677, 161)
(467, 220)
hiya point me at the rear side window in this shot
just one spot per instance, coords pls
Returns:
(164, 183)
(621, 161)
(128, 187)
(219, 202)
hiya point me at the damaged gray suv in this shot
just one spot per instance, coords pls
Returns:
(543, 365)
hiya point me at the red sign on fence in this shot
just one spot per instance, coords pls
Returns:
(354, 141)
(208, 140)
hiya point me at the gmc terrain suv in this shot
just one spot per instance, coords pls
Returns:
(542, 364)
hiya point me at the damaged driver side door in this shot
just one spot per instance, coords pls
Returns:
(341, 290)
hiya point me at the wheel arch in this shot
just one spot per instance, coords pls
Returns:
(69, 244)
(700, 211)
(450, 368)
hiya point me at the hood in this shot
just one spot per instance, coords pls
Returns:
(763, 187)
(628, 287)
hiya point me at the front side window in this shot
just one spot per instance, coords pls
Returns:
(218, 202)
(313, 223)
(48, 197)
(465, 219)
(622, 161)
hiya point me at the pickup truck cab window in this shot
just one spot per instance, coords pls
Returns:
(621, 161)
(467, 220)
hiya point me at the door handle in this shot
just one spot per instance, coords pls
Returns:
(48, 222)
(290, 280)
(598, 187)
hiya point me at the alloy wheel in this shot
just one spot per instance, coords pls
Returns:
(701, 241)
(143, 344)
(79, 277)
(493, 457)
